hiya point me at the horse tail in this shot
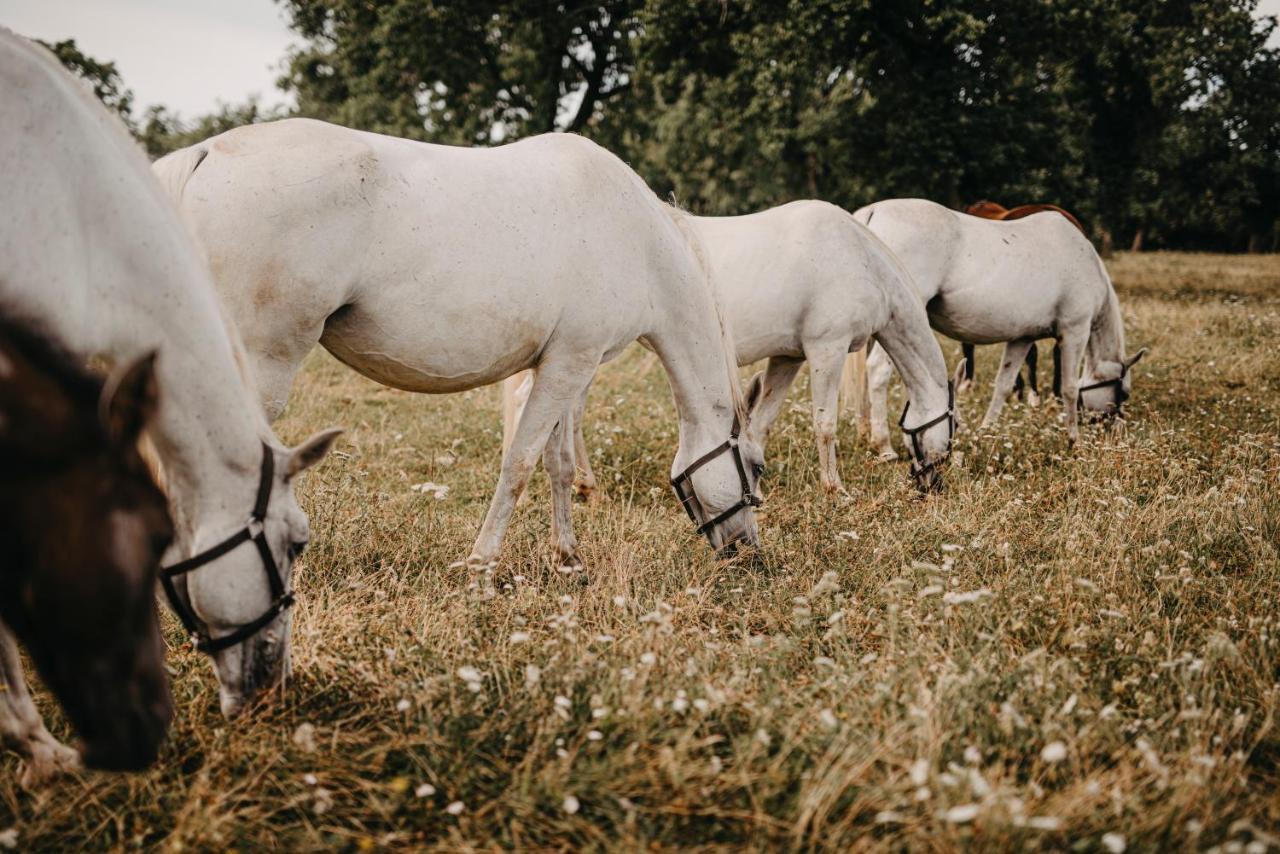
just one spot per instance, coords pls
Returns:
(175, 169)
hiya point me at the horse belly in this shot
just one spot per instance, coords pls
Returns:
(423, 347)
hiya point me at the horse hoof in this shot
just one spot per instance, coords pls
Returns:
(48, 762)
(1033, 399)
(586, 492)
(887, 456)
(964, 386)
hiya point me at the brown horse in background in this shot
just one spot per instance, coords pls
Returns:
(987, 209)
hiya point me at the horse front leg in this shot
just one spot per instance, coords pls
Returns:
(556, 386)
(21, 726)
(879, 373)
(825, 366)
(557, 459)
(1073, 344)
(766, 403)
(1015, 352)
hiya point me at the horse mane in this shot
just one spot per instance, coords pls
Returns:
(680, 217)
(26, 348)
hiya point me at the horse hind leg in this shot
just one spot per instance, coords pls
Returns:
(970, 361)
(21, 726)
(584, 482)
(1033, 389)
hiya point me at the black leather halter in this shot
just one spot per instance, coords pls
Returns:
(913, 433)
(1117, 384)
(254, 532)
(683, 485)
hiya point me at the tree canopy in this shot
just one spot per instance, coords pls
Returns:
(1157, 121)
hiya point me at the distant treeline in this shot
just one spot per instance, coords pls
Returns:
(1156, 121)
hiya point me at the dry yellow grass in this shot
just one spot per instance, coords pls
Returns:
(1071, 648)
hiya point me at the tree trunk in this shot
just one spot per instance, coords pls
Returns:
(1136, 246)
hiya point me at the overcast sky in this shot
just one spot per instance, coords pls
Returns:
(185, 54)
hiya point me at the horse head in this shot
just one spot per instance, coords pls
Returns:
(84, 525)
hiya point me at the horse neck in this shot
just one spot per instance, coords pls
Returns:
(910, 343)
(209, 432)
(694, 344)
(1106, 339)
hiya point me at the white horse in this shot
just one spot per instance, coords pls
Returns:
(804, 281)
(92, 251)
(436, 269)
(987, 282)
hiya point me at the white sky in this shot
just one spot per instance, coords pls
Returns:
(187, 54)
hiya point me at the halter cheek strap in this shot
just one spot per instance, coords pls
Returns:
(913, 433)
(683, 484)
(1121, 396)
(253, 531)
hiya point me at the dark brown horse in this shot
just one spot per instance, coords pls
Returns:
(83, 527)
(988, 209)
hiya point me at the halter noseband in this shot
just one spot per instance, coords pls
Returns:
(254, 532)
(913, 433)
(683, 484)
(1117, 384)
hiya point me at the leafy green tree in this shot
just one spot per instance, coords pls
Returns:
(102, 76)
(465, 72)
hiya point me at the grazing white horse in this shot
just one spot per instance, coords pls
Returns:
(433, 268)
(93, 252)
(804, 281)
(987, 282)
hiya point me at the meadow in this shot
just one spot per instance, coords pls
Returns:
(1072, 648)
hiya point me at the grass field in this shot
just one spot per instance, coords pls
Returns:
(1070, 649)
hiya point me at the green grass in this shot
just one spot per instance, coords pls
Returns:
(1069, 643)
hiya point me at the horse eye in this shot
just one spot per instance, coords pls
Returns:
(758, 468)
(296, 549)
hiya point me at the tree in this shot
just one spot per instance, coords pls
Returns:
(102, 76)
(465, 72)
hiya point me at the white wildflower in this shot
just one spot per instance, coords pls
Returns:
(962, 814)
(309, 779)
(437, 490)
(519, 637)
(920, 772)
(966, 597)
(1054, 751)
(469, 674)
(425, 790)
(1114, 843)
(594, 735)
(571, 805)
(456, 808)
(323, 801)
(9, 838)
(404, 705)
(532, 675)
(305, 737)
(828, 719)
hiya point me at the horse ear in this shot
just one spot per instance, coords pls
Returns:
(755, 388)
(1133, 360)
(129, 399)
(310, 452)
